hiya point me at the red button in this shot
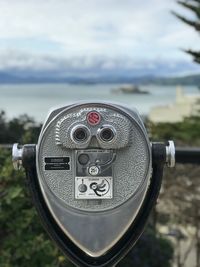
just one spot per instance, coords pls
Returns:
(93, 118)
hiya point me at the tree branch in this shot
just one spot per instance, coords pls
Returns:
(194, 8)
(192, 23)
(195, 54)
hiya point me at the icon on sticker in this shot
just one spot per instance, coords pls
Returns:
(82, 187)
(100, 189)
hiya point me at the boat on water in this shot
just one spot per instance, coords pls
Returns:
(129, 89)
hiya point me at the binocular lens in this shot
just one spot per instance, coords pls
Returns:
(107, 134)
(80, 134)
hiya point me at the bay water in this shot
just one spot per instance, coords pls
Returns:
(37, 99)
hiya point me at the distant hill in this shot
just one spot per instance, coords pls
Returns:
(9, 78)
(185, 80)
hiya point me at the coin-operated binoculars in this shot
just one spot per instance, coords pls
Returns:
(94, 178)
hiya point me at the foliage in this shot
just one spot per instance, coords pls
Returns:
(21, 130)
(23, 241)
(183, 133)
(156, 251)
(194, 7)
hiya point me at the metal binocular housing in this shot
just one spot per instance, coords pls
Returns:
(94, 177)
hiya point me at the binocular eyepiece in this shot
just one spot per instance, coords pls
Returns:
(81, 133)
(107, 133)
(94, 178)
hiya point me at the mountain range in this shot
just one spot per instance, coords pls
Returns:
(20, 78)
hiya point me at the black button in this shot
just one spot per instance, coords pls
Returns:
(83, 159)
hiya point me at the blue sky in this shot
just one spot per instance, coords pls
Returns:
(86, 34)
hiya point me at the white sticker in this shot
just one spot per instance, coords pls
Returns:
(93, 187)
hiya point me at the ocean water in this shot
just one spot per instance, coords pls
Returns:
(37, 99)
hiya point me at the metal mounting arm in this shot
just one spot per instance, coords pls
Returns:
(188, 155)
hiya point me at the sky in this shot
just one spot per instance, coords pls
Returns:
(79, 35)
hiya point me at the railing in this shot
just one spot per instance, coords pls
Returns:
(183, 154)
(188, 155)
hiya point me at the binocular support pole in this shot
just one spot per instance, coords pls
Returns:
(159, 156)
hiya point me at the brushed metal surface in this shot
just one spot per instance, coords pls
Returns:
(105, 219)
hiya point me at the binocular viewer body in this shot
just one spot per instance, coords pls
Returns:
(94, 178)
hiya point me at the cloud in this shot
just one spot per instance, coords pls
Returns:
(26, 64)
(38, 34)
